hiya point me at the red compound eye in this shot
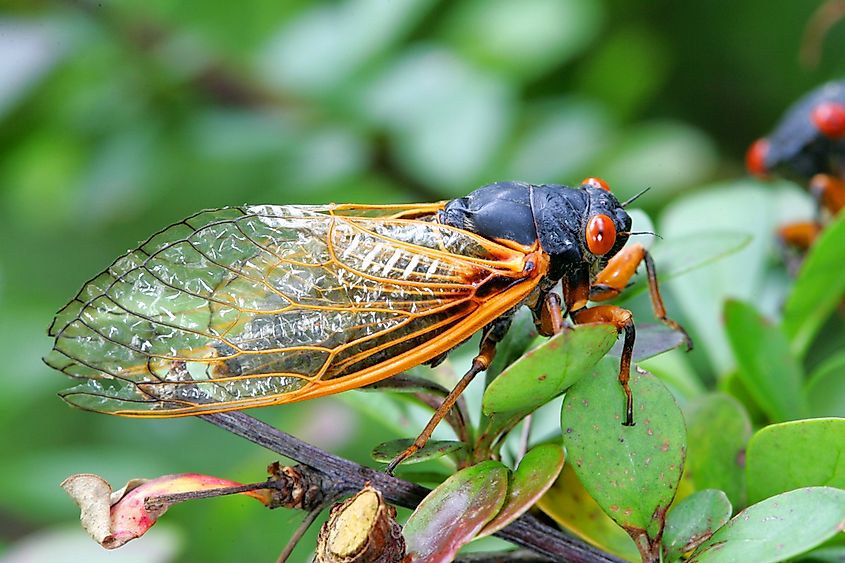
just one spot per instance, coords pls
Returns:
(829, 118)
(755, 158)
(595, 183)
(601, 234)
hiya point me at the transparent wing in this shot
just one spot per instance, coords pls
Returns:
(242, 307)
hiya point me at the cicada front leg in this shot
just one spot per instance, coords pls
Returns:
(548, 315)
(829, 194)
(609, 283)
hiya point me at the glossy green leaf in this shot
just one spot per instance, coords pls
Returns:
(818, 289)
(826, 388)
(777, 528)
(536, 472)
(718, 430)
(569, 504)
(631, 471)
(387, 451)
(453, 513)
(801, 453)
(548, 370)
(766, 367)
(693, 520)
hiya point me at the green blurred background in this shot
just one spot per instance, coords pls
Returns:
(118, 118)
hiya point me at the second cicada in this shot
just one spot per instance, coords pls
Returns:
(262, 305)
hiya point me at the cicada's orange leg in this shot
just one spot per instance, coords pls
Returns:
(615, 277)
(480, 363)
(799, 235)
(609, 283)
(829, 191)
(550, 320)
(623, 320)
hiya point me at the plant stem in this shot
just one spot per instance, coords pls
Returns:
(527, 531)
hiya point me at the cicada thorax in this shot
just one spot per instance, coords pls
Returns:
(554, 218)
(266, 304)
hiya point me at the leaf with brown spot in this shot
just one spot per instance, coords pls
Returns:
(549, 369)
(693, 520)
(632, 472)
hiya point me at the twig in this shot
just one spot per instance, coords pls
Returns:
(298, 533)
(527, 531)
(823, 18)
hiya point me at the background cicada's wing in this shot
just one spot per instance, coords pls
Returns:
(244, 307)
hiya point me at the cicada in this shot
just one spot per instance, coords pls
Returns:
(808, 145)
(261, 305)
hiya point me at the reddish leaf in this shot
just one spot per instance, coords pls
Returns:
(536, 473)
(115, 518)
(453, 513)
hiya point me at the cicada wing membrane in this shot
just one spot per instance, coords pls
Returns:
(252, 306)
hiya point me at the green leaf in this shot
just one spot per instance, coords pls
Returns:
(831, 554)
(742, 207)
(569, 504)
(387, 451)
(453, 513)
(631, 471)
(548, 370)
(718, 430)
(693, 520)
(686, 253)
(802, 453)
(818, 289)
(767, 369)
(537, 471)
(826, 388)
(777, 528)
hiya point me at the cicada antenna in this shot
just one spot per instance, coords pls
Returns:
(633, 198)
(652, 233)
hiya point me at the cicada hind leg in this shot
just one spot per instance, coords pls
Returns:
(608, 284)
(491, 335)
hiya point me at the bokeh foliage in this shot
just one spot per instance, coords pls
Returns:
(118, 118)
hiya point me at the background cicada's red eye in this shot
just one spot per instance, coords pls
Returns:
(596, 183)
(601, 234)
(755, 158)
(829, 118)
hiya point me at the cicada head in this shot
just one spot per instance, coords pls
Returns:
(606, 224)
